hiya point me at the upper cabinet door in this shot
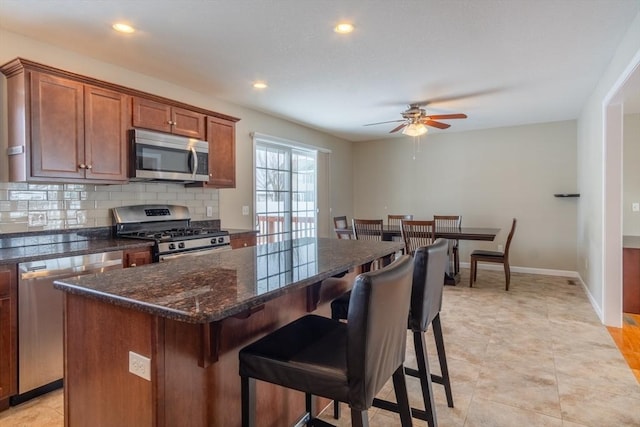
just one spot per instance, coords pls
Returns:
(57, 127)
(221, 135)
(106, 121)
(188, 123)
(154, 115)
(151, 115)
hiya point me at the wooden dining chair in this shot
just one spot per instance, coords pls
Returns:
(448, 223)
(493, 256)
(395, 220)
(367, 229)
(342, 228)
(417, 233)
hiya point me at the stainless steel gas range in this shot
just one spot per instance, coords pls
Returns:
(169, 226)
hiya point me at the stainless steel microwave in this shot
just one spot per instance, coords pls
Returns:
(158, 156)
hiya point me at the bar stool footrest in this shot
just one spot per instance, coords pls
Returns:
(393, 407)
(414, 373)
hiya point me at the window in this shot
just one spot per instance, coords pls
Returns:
(285, 191)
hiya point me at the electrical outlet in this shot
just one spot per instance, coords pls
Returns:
(635, 207)
(245, 210)
(37, 219)
(140, 365)
(500, 248)
(209, 211)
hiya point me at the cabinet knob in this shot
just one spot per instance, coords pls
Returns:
(82, 166)
(133, 264)
(244, 244)
(89, 166)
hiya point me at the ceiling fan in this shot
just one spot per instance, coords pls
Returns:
(415, 121)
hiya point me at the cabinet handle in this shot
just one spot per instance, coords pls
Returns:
(133, 264)
(171, 122)
(82, 166)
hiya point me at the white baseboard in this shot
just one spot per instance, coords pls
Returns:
(529, 270)
(547, 272)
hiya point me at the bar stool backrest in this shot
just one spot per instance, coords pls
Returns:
(429, 265)
(377, 329)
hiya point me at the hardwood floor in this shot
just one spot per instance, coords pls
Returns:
(536, 355)
(627, 339)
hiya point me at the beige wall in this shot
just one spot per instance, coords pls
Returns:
(631, 174)
(230, 200)
(488, 177)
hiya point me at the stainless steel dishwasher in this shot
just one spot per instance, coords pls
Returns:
(40, 311)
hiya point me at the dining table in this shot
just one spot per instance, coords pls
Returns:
(486, 234)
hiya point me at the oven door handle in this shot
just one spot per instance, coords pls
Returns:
(221, 248)
(194, 162)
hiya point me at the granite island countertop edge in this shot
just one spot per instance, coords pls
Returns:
(148, 302)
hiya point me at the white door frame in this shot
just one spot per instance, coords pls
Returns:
(613, 118)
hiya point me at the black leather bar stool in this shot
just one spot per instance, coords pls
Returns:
(426, 301)
(349, 362)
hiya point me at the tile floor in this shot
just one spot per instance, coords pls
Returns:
(534, 356)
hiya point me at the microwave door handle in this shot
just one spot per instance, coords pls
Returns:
(194, 162)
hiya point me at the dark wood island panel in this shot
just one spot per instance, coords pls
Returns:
(192, 329)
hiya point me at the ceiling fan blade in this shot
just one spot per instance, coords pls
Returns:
(396, 129)
(435, 124)
(447, 116)
(381, 123)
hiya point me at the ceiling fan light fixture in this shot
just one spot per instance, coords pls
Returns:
(344, 28)
(122, 27)
(415, 129)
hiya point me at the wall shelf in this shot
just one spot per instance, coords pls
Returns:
(567, 195)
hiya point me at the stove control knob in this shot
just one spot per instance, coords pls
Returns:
(181, 245)
(220, 239)
(172, 246)
(213, 241)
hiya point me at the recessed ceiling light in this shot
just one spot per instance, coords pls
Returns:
(343, 28)
(260, 85)
(123, 28)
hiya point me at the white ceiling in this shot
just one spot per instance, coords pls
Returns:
(502, 62)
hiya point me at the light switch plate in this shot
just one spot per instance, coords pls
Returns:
(245, 210)
(635, 207)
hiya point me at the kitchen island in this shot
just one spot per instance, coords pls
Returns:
(189, 317)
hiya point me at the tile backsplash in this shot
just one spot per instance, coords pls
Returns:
(35, 207)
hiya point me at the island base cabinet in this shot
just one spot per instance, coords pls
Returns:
(99, 390)
(194, 367)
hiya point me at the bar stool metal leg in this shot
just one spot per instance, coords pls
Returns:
(442, 358)
(425, 378)
(248, 396)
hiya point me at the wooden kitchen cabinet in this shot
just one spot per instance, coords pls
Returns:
(66, 127)
(631, 280)
(137, 257)
(8, 334)
(243, 240)
(154, 115)
(61, 129)
(221, 135)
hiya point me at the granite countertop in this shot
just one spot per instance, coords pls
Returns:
(32, 247)
(212, 287)
(25, 247)
(631, 242)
